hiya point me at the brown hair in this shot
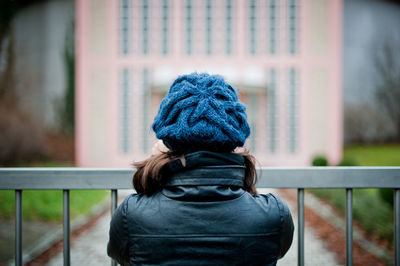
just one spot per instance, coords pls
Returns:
(151, 173)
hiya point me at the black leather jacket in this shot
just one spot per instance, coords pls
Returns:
(202, 216)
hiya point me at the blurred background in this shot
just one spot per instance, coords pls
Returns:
(80, 83)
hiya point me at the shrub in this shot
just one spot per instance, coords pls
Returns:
(320, 161)
(366, 204)
(386, 194)
(373, 213)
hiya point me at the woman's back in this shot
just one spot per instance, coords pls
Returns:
(202, 216)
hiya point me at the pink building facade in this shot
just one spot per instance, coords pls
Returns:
(284, 57)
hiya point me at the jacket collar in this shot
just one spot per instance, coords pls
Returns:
(207, 168)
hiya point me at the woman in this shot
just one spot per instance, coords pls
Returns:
(196, 201)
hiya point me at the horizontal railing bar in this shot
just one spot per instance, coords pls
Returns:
(271, 177)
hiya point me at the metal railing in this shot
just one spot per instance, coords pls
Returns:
(67, 179)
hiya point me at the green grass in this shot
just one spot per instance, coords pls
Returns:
(47, 205)
(373, 213)
(374, 155)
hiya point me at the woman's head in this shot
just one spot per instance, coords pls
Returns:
(201, 112)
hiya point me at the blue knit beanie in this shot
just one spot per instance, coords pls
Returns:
(201, 112)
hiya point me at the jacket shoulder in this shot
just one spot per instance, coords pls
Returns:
(274, 207)
(285, 221)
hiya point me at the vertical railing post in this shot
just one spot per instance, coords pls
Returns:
(349, 226)
(66, 228)
(300, 240)
(397, 226)
(18, 227)
(114, 203)
(114, 200)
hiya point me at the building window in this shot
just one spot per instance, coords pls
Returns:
(272, 111)
(125, 111)
(293, 127)
(253, 26)
(273, 26)
(145, 110)
(189, 26)
(165, 26)
(145, 26)
(229, 26)
(124, 21)
(293, 26)
(252, 106)
(209, 27)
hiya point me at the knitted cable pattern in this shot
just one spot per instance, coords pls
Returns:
(201, 112)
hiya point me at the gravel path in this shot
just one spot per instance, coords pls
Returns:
(90, 247)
